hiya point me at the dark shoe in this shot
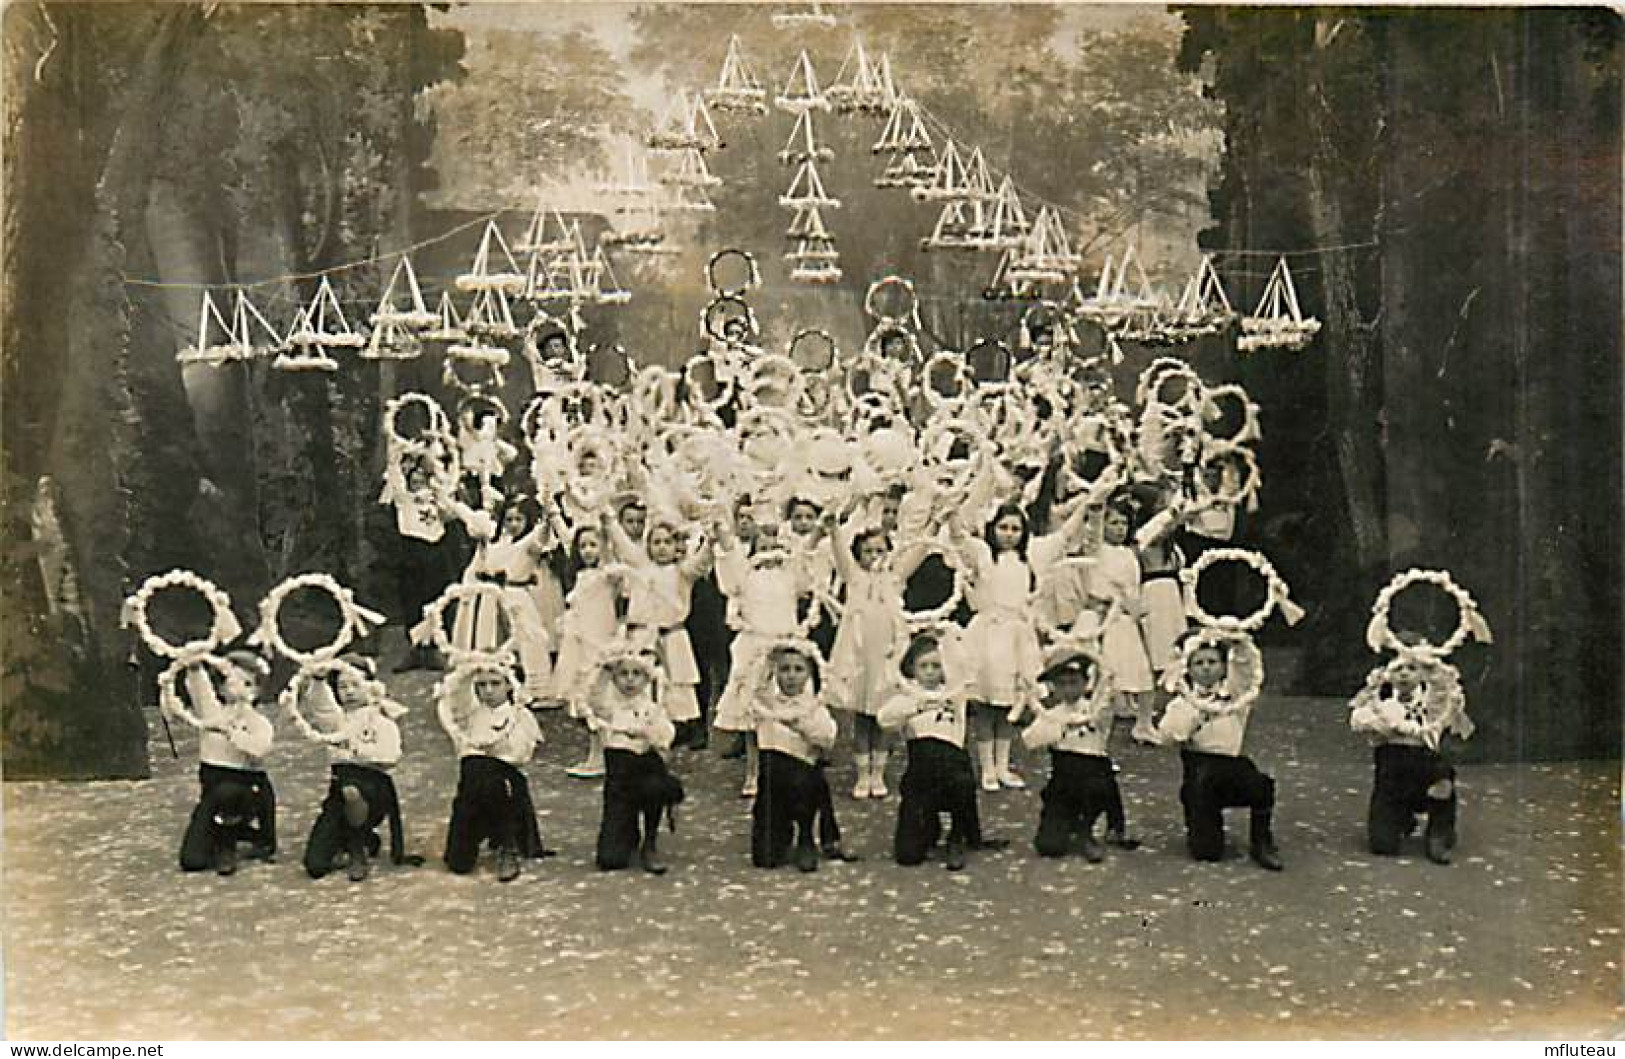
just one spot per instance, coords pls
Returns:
(507, 865)
(806, 858)
(544, 853)
(736, 749)
(1439, 846)
(1121, 841)
(1265, 856)
(836, 852)
(1093, 852)
(651, 859)
(701, 739)
(990, 845)
(261, 851)
(409, 860)
(225, 859)
(956, 856)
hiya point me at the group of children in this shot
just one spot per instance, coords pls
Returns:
(760, 575)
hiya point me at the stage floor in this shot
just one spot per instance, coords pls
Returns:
(105, 938)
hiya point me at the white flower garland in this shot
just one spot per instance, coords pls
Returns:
(356, 621)
(1470, 622)
(910, 315)
(222, 630)
(433, 626)
(960, 377)
(1151, 380)
(1245, 490)
(438, 428)
(1444, 704)
(714, 318)
(294, 694)
(1250, 429)
(1244, 663)
(170, 699)
(753, 277)
(919, 621)
(1277, 594)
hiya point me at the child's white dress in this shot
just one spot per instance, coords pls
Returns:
(1003, 636)
(1117, 578)
(761, 609)
(511, 566)
(587, 627)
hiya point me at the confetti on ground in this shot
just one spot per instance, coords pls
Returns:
(106, 939)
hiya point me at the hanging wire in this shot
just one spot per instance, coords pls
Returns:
(295, 276)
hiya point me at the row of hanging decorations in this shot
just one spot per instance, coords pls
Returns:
(978, 213)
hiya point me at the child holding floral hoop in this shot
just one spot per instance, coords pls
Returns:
(237, 802)
(345, 707)
(931, 713)
(1074, 724)
(638, 787)
(660, 583)
(592, 620)
(512, 560)
(793, 728)
(1215, 683)
(872, 635)
(1407, 708)
(1006, 567)
(1115, 578)
(494, 737)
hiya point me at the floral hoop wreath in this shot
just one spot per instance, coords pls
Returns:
(770, 368)
(819, 339)
(535, 423)
(170, 700)
(1052, 314)
(1244, 660)
(1093, 432)
(433, 626)
(654, 391)
(1003, 411)
(1151, 380)
(1250, 429)
(1246, 489)
(355, 622)
(692, 393)
(753, 277)
(462, 676)
(723, 308)
(960, 377)
(783, 556)
(1277, 595)
(874, 344)
(452, 379)
(1006, 361)
(937, 443)
(1470, 623)
(294, 693)
(436, 431)
(222, 630)
(919, 621)
(816, 398)
(910, 315)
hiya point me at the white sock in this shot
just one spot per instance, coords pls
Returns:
(1001, 757)
(984, 758)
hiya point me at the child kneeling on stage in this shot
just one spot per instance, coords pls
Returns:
(353, 706)
(1074, 724)
(938, 778)
(237, 803)
(627, 714)
(1406, 708)
(1215, 682)
(494, 738)
(792, 726)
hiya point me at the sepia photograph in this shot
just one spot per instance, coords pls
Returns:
(625, 521)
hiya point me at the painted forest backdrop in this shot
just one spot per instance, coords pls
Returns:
(1461, 407)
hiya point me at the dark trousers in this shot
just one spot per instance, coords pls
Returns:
(333, 833)
(236, 805)
(1400, 791)
(492, 804)
(638, 788)
(938, 780)
(421, 573)
(1081, 787)
(1214, 783)
(790, 794)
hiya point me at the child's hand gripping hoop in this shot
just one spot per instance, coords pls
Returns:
(170, 699)
(294, 694)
